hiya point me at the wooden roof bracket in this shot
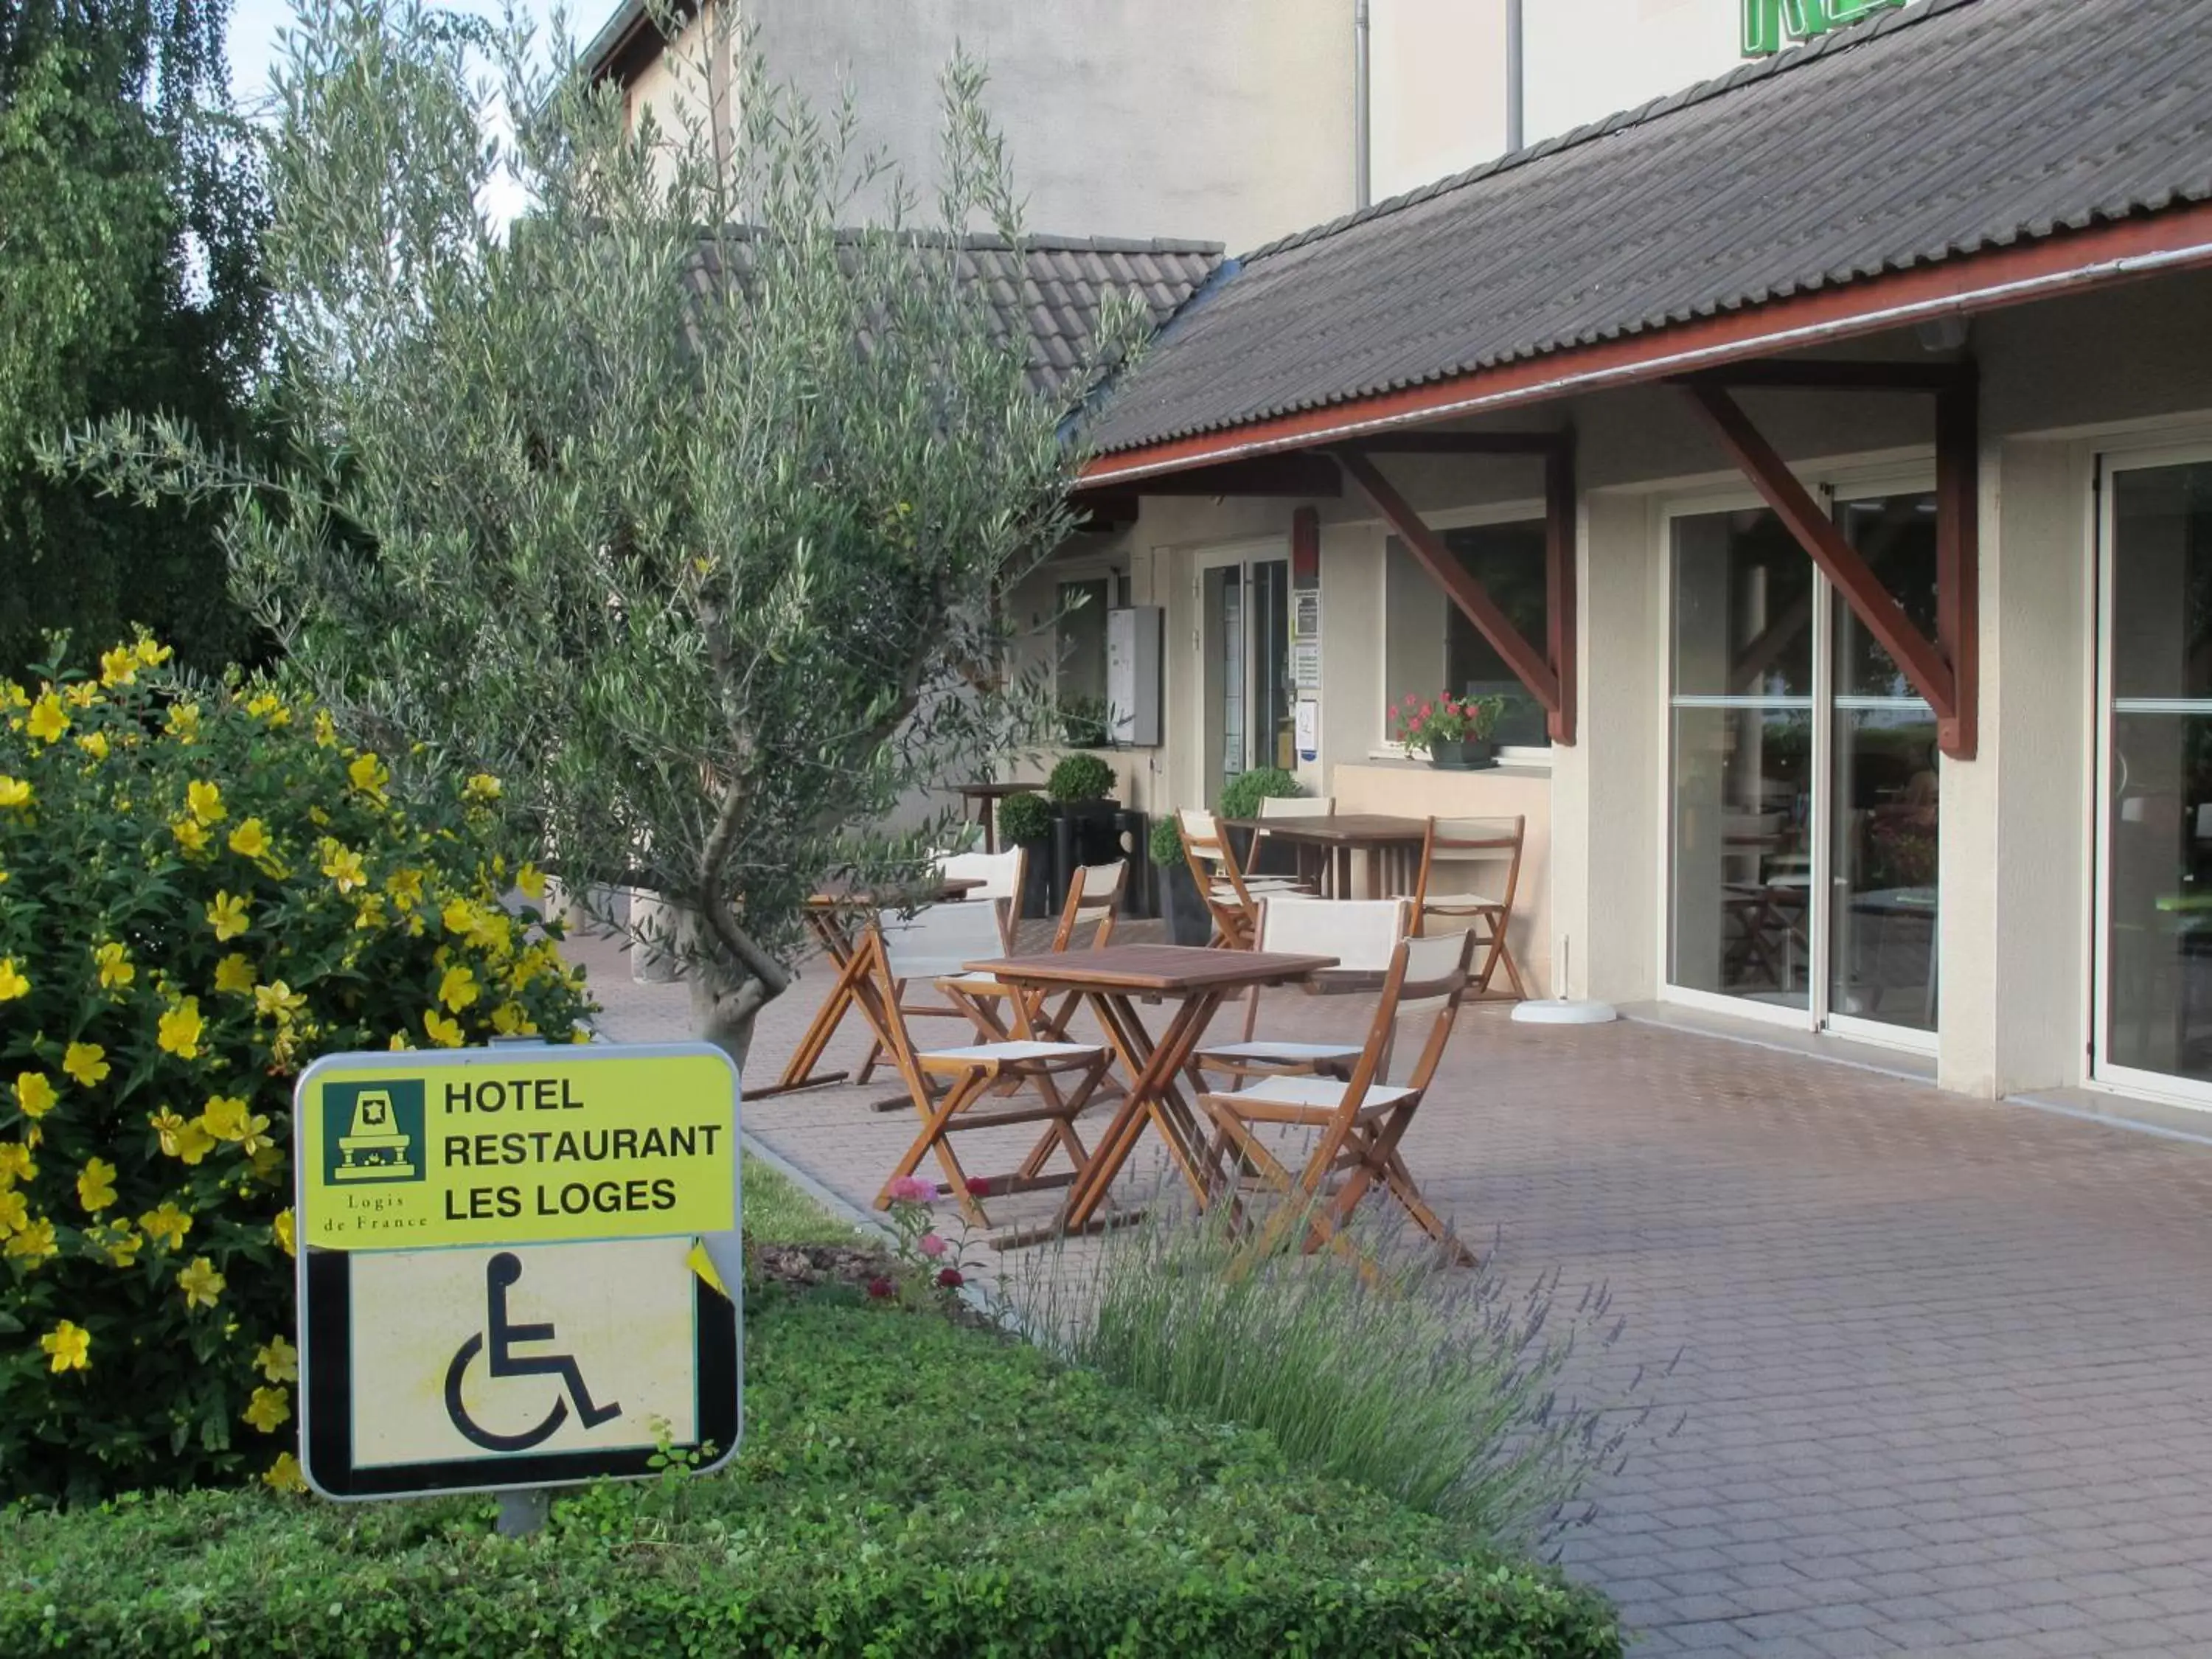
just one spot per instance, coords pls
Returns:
(1549, 674)
(1944, 670)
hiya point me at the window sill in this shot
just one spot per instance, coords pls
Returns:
(1511, 762)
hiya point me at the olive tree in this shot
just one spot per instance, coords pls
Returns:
(682, 500)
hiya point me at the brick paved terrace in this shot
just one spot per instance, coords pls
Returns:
(1943, 1365)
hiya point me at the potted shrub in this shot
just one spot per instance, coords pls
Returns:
(1082, 785)
(1453, 732)
(1025, 821)
(1181, 904)
(1240, 799)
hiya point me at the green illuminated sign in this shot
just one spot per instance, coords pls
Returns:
(1770, 25)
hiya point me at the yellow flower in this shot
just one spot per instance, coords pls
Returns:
(87, 1062)
(277, 1001)
(151, 655)
(179, 1032)
(368, 775)
(189, 1142)
(201, 1284)
(35, 1093)
(269, 1408)
(458, 988)
(15, 1162)
(70, 1346)
(278, 1360)
(510, 1020)
(14, 792)
(12, 982)
(581, 1035)
(118, 666)
(82, 695)
(94, 744)
(445, 1033)
(204, 801)
(122, 1246)
(532, 880)
(190, 834)
(183, 723)
(399, 1044)
(114, 961)
(47, 722)
(283, 1230)
(249, 839)
(284, 1474)
(168, 1224)
(12, 695)
(225, 914)
(34, 1241)
(95, 1185)
(327, 731)
(405, 888)
(481, 787)
(234, 972)
(342, 865)
(13, 1210)
(270, 706)
(369, 911)
(224, 1117)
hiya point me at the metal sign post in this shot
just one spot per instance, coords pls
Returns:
(519, 1267)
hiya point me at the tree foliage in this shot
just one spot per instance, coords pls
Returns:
(129, 220)
(684, 498)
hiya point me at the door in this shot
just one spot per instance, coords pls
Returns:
(1245, 705)
(2153, 969)
(1801, 871)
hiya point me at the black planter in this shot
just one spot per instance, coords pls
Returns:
(1468, 755)
(1097, 841)
(1036, 879)
(1189, 922)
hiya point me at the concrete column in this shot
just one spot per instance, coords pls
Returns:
(2015, 842)
(1607, 821)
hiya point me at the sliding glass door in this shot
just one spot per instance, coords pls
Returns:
(1244, 673)
(1801, 871)
(2155, 765)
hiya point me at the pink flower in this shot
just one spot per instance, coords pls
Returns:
(950, 1277)
(1414, 724)
(913, 1190)
(979, 1187)
(881, 1289)
(1427, 709)
(931, 1245)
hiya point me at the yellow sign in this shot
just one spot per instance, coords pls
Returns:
(516, 1146)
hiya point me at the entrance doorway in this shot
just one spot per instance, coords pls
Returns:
(2154, 959)
(1802, 859)
(1244, 707)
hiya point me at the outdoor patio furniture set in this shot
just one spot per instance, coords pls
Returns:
(1226, 1112)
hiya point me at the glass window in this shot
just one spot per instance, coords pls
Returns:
(2158, 813)
(1080, 653)
(1429, 646)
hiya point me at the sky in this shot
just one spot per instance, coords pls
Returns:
(254, 23)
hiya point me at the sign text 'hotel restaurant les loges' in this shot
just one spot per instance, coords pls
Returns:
(1770, 25)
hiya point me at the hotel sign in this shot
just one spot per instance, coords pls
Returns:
(1771, 25)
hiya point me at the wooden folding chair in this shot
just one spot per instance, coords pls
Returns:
(951, 1090)
(999, 898)
(1477, 846)
(1359, 1122)
(1232, 896)
(1094, 901)
(1362, 934)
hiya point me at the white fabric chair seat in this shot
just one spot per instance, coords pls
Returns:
(1319, 1094)
(1265, 1048)
(1019, 1050)
(1460, 905)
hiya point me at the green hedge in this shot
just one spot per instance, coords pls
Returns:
(907, 1488)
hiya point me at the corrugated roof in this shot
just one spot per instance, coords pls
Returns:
(1050, 288)
(1924, 134)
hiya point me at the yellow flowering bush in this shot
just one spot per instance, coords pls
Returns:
(202, 890)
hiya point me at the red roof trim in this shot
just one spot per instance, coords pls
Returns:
(2180, 239)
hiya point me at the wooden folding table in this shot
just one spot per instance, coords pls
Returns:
(1385, 839)
(830, 917)
(1111, 981)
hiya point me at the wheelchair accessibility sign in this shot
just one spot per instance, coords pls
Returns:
(511, 1363)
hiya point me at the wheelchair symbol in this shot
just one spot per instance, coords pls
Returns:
(500, 1274)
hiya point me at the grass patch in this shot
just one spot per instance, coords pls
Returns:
(907, 1487)
(777, 1213)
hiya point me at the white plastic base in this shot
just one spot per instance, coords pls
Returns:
(1560, 1011)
